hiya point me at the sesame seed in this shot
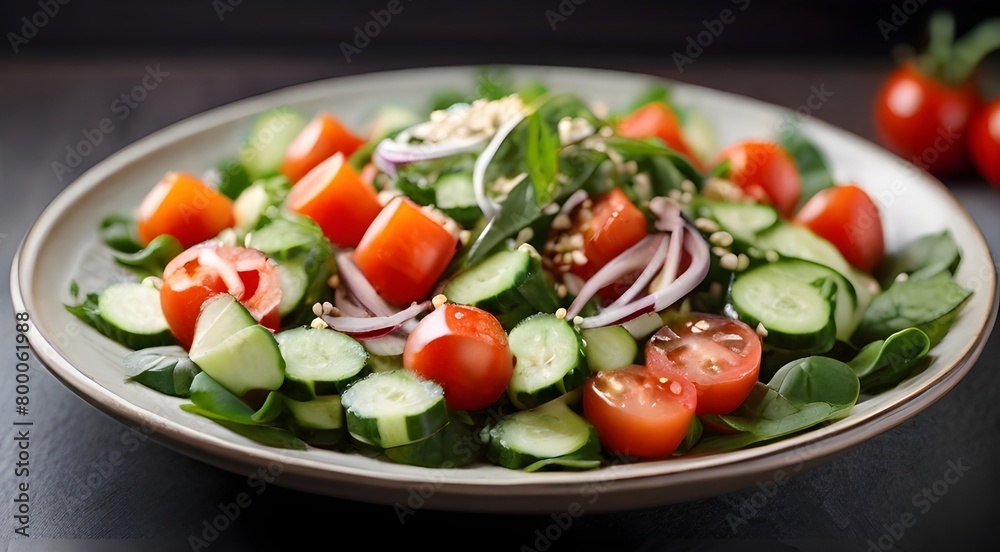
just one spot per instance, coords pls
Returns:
(328, 308)
(688, 186)
(729, 261)
(706, 225)
(902, 277)
(439, 300)
(743, 263)
(317, 309)
(720, 251)
(686, 197)
(721, 238)
(333, 281)
(524, 236)
(560, 313)
(578, 257)
(561, 291)
(561, 222)
(674, 194)
(771, 256)
(577, 320)
(319, 324)
(761, 330)
(464, 236)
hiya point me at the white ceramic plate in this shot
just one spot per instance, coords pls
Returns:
(63, 245)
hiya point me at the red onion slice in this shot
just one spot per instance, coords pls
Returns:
(573, 201)
(362, 290)
(376, 326)
(389, 153)
(646, 276)
(630, 260)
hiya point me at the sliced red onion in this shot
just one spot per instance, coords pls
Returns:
(389, 153)
(573, 201)
(666, 296)
(647, 274)
(391, 344)
(574, 284)
(376, 326)
(631, 260)
(487, 205)
(362, 290)
(347, 305)
(673, 262)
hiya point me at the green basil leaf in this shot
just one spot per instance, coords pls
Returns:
(119, 233)
(166, 369)
(151, 260)
(653, 147)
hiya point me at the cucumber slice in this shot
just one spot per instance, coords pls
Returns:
(455, 195)
(234, 350)
(133, 315)
(846, 299)
(385, 363)
(264, 148)
(503, 282)
(325, 412)
(294, 283)
(320, 362)
(743, 220)
(538, 436)
(796, 314)
(391, 409)
(549, 360)
(610, 347)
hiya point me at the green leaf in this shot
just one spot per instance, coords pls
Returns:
(694, 433)
(267, 435)
(813, 168)
(653, 147)
(921, 259)
(804, 393)
(655, 93)
(969, 51)
(119, 233)
(884, 363)
(931, 305)
(166, 369)
(518, 210)
(74, 289)
(542, 157)
(151, 260)
(233, 177)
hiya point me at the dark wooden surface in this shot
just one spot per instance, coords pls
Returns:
(156, 499)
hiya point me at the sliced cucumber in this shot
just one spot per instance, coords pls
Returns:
(542, 436)
(395, 408)
(846, 299)
(455, 195)
(325, 412)
(236, 351)
(385, 363)
(133, 315)
(320, 362)
(258, 201)
(294, 283)
(503, 282)
(264, 148)
(550, 360)
(796, 314)
(609, 348)
(742, 220)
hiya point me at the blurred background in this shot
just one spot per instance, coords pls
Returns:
(65, 63)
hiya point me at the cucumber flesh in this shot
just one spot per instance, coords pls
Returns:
(846, 300)
(547, 432)
(549, 360)
(319, 413)
(395, 408)
(609, 348)
(133, 312)
(264, 148)
(320, 362)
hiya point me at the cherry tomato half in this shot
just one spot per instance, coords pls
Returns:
(846, 217)
(465, 350)
(321, 138)
(765, 172)
(209, 269)
(717, 354)
(637, 412)
(657, 119)
(184, 207)
(925, 120)
(984, 142)
(336, 197)
(609, 227)
(405, 250)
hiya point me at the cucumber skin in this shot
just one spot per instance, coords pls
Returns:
(418, 427)
(514, 460)
(534, 289)
(302, 390)
(816, 343)
(89, 313)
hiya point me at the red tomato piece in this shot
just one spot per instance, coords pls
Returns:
(925, 120)
(765, 172)
(612, 225)
(320, 139)
(334, 195)
(406, 250)
(465, 350)
(657, 119)
(984, 142)
(848, 218)
(717, 354)
(637, 412)
(209, 269)
(184, 207)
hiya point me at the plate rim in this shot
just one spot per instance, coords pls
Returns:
(303, 473)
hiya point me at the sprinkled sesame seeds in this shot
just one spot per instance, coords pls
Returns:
(560, 313)
(721, 238)
(439, 300)
(729, 261)
(706, 225)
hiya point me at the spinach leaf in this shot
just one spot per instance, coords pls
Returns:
(801, 395)
(930, 305)
(542, 157)
(233, 177)
(630, 148)
(922, 258)
(813, 167)
(694, 433)
(884, 363)
(119, 233)
(165, 369)
(519, 209)
(152, 259)
(655, 93)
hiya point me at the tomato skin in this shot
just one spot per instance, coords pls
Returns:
(657, 119)
(613, 225)
(702, 348)
(984, 142)
(209, 269)
(639, 413)
(335, 196)
(847, 217)
(405, 251)
(765, 172)
(464, 349)
(184, 207)
(320, 139)
(924, 120)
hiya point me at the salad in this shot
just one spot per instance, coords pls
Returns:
(518, 277)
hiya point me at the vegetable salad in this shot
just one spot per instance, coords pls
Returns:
(521, 278)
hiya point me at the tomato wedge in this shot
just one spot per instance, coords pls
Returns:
(209, 269)
(321, 138)
(719, 355)
(334, 195)
(465, 350)
(405, 250)
(765, 172)
(609, 227)
(848, 218)
(657, 119)
(984, 142)
(637, 412)
(184, 207)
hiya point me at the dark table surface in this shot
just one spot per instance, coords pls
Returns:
(155, 498)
